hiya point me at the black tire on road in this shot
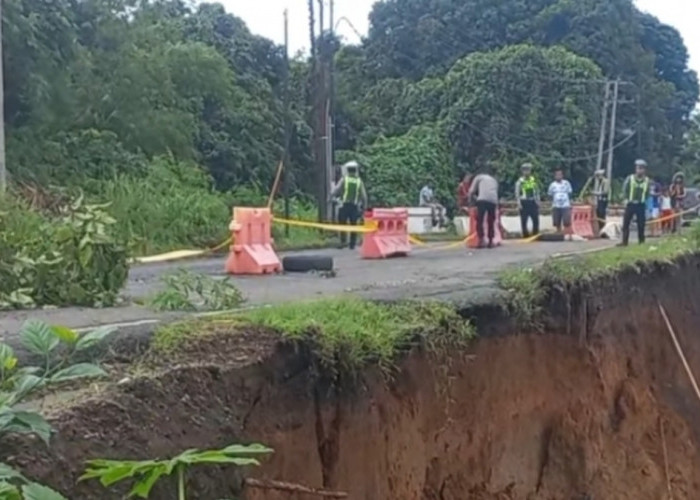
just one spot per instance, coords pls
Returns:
(306, 263)
(551, 237)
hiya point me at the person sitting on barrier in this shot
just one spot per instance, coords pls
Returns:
(527, 192)
(485, 188)
(677, 197)
(560, 191)
(426, 198)
(353, 196)
(635, 190)
(601, 191)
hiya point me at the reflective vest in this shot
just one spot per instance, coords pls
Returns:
(638, 190)
(528, 187)
(352, 188)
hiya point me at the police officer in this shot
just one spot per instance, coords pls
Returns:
(351, 191)
(601, 188)
(635, 191)
(527, 193)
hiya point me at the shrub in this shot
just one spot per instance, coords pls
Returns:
(74, 258)
(173, 205)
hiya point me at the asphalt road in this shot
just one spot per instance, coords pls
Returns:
(429, 272)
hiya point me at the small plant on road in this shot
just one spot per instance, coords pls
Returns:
(188, 291)
(14, 486)
(146, 474)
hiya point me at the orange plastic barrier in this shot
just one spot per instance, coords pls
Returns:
(473, 240)
(582, 220)
(251, 243)
(391, 236)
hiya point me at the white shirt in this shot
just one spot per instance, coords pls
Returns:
(425, 197)
(665, 203)
(560, 192)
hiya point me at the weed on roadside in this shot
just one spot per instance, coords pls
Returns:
(356, 330)
(188, 291)
(526, 288)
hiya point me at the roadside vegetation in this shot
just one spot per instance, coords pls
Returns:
(349, 331)
(188, 291)
(56, 350)
(172, 113)
(526, 287)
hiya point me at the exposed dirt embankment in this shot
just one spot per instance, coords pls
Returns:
(596, 407)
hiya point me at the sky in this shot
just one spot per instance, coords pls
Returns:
(265, 17)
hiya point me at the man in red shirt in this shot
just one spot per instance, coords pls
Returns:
(463, 200)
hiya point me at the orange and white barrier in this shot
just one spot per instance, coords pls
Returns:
(582, 221)
(390, 237)
(473, 240)
(251, 249)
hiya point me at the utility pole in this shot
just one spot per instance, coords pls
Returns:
(324, 125)
(613, 123)
(603, 127)
(316, 110)
(330, 121)
(332, 82)
(287, 123)
(3, 170)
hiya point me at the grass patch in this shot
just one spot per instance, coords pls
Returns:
(526, 288)
(349, 330)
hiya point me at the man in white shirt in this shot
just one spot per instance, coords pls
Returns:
(426, 198)
(560, 191)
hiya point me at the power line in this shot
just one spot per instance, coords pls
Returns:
(554, 158)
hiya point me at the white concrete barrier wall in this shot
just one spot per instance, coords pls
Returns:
(420, 221)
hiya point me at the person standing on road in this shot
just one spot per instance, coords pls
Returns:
(601, 190)
(485, 188)
(666, 212)
(560, 191)
(635, 190)
(463, 201)
(527, 192)
(677, 192)
(351, 191)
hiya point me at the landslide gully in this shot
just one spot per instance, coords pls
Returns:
(595, 407)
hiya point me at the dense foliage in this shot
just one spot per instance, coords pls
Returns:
(173, 112)
(73, 257)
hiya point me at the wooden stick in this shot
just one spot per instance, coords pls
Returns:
(292, 488)
(680, 351)
(276, 184)
(665, 450)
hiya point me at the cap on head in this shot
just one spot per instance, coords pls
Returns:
(640, 163)
(600, 171)
(526, 167)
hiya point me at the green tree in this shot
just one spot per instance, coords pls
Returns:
(396, 168)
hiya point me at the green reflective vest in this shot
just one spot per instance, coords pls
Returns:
(638, 190)
(528, 187)
(352, 189)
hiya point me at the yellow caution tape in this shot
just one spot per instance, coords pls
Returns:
(531, 239)
(661, 219)
(338, 228)
(416, 241)
(179, 254)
